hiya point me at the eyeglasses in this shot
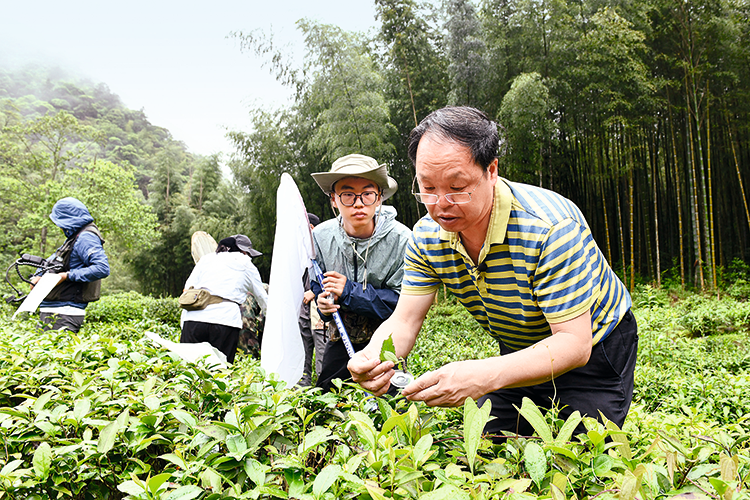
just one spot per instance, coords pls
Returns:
(368, 198)
(453, 198)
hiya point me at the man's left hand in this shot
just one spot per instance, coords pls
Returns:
(326, 305)
(567, 348)
(449, 385)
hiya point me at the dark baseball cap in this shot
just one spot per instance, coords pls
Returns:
(244, 244)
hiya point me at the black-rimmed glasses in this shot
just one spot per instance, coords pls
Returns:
(368, 198)
(454, 198)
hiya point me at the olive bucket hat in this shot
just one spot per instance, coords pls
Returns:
(356, 165)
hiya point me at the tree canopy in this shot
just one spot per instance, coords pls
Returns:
(635, 111)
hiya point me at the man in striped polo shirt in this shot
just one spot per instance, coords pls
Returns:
(522, 261)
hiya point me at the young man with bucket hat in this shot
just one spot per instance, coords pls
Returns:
(361, 254)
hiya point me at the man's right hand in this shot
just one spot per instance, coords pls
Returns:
(34, 280)
(371, 373)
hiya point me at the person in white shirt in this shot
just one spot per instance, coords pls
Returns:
(230, 274)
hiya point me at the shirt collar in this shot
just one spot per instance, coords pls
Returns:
(498, 227)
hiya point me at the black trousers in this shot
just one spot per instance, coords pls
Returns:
(604, 384)
(222, 337)
(335, 359)
(54, 321)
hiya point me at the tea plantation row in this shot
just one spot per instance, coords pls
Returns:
(106, 414)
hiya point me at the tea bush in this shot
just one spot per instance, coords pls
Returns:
(647, 296)
(450, 333)
(708, 316)
(105, 414)
(132, 306)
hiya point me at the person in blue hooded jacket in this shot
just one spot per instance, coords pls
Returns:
(84, 265)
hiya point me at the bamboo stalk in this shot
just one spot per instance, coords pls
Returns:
(739, 175)
(711, 238)
(677, 194)
(695, 206)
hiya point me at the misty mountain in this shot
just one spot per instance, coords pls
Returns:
(124, 136)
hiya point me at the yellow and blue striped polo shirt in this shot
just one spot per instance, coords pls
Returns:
(542, 266)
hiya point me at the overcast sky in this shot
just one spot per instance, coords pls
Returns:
(171, 59)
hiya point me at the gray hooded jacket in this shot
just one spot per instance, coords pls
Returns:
(373, 274)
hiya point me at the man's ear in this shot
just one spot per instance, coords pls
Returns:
(493, 170)
(333, 201)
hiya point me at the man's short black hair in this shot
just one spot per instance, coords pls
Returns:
(462, 124)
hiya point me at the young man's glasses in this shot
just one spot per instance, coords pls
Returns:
(368, 198)
(454, 198)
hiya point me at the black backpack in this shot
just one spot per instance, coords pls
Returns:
(71, 290)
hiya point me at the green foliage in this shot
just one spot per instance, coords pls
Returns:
(388, 351)
(263, 155)
(344, 96)
(133, 307)
(529, 129)
(735, 280)
(61, 137)
(340, 108)
(707, 376)
(466, 51)
(646, 296)
(708, 316)
(474, 420)
(105, 414)
(128, 137)
(450, 333)
(120, 212)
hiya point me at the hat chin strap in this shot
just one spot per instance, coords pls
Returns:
(375, 221)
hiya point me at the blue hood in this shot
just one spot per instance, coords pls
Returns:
(70, 215)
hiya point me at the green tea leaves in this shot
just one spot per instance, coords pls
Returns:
(326, 478)
(388, 350)
(474, 420)
(536, 462)
(42, 460)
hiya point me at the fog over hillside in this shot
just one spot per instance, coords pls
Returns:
(177, 65)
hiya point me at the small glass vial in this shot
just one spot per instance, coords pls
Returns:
(401, 379)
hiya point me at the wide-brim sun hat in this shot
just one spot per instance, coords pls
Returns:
(356, 165)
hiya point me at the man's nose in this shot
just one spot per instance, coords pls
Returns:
(443, 202)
